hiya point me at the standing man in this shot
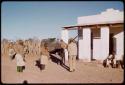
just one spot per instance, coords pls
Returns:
(63, 50)
(72, 51)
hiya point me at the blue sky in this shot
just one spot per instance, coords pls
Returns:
(45, 19)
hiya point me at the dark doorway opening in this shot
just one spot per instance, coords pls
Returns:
(92, 46)
(111, 43)
(77, 57)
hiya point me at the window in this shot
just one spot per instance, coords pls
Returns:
(80, 33)
(96, 33)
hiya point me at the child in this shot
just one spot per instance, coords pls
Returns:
(20, 63)
(44, 56)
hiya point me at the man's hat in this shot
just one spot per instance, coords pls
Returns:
(71, 40)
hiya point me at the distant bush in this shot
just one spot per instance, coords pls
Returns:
(32, 42)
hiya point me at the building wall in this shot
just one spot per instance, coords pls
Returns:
(65, 37)
(96, 39)
(120, 44)
(96, 48)
(100, 43)
(80, 48)
(85, 44)
(104, 43)
(119, 36)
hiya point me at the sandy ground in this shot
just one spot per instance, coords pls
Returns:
(85, 73)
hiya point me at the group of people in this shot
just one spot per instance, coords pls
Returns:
(19, 50)
(114, 61)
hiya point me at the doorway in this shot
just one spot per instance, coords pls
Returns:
(111, 43)
(92, 46)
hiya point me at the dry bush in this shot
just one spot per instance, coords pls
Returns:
(33, 45)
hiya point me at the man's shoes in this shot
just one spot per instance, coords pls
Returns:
(70, 71)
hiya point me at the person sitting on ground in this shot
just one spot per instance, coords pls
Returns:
(110, 61)
(119, 61)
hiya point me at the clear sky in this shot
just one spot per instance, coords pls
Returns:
(45, 19)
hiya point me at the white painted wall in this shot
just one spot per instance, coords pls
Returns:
(80, 43)
(104, 43)
(101, 43)
(85, 45)
(119, 36)
(65, 37)
(96, 43)
(80, 47)
(96, 48)
(119, 44)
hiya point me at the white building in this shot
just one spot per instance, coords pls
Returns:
(98, 35)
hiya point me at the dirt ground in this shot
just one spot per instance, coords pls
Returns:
(92, 72)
